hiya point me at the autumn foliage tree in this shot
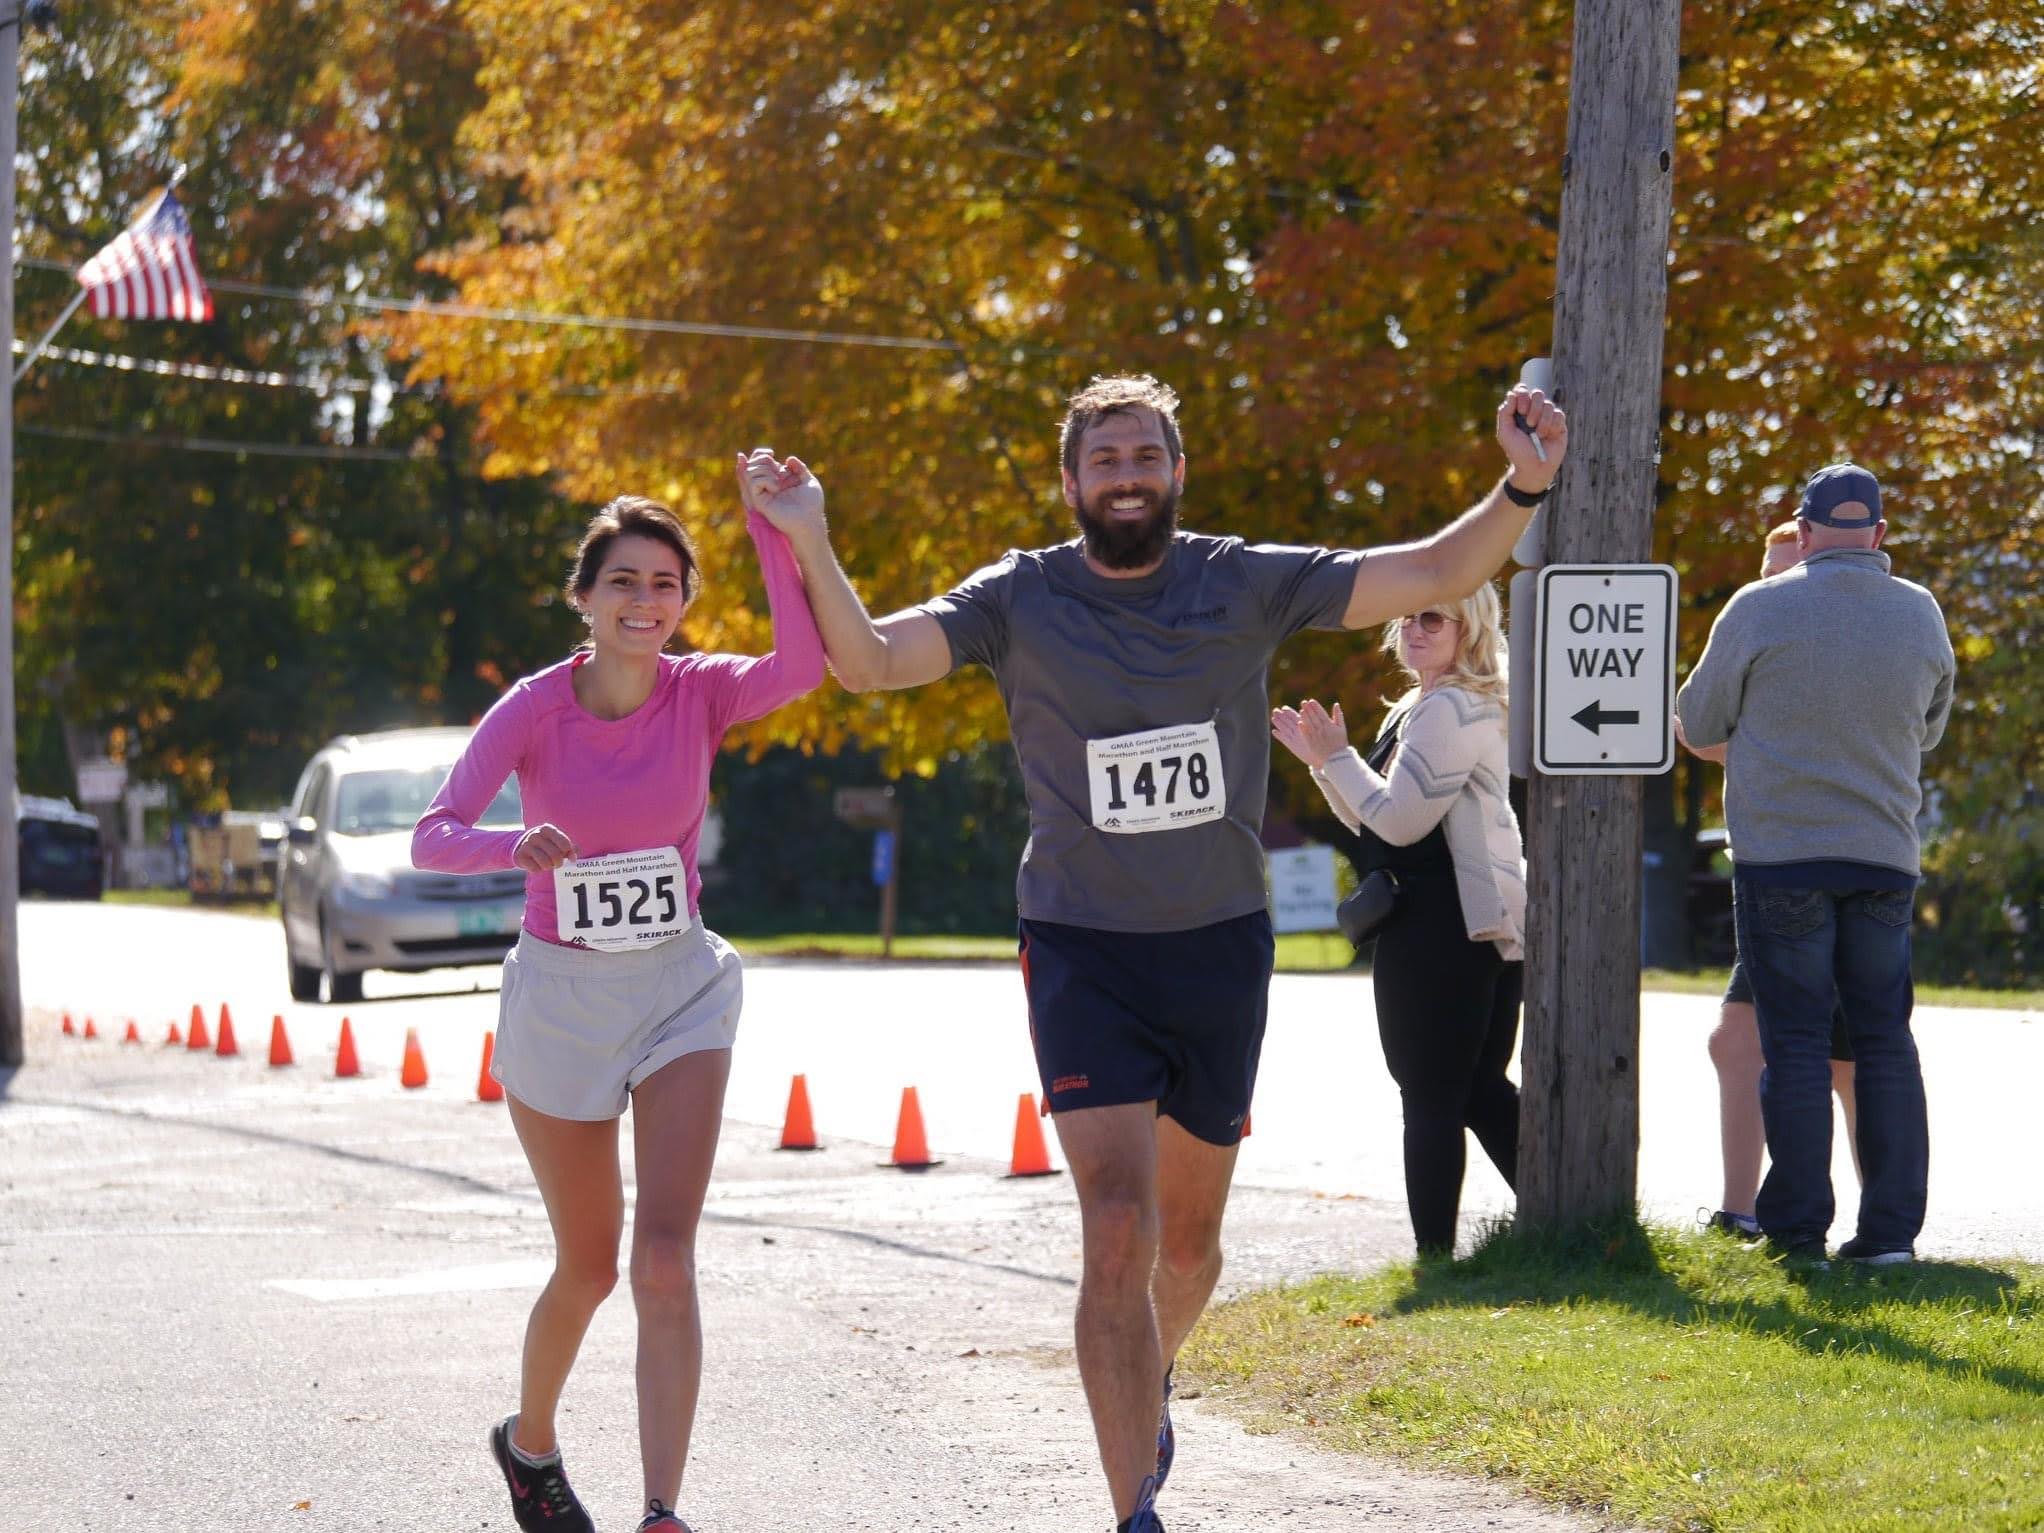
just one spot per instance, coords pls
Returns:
(213, 615)
(1331, 224)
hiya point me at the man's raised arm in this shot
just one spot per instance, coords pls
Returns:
(1411, 577)
(905, 650)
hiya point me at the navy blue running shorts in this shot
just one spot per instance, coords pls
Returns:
(1739, 992)
(1174, 1018)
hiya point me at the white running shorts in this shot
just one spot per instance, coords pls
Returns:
(578, 1029)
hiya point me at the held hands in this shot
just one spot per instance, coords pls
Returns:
(1310, 732)
(785, 493)
(1526, 414)
(542, 849)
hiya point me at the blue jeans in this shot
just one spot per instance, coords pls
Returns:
(1799, 948)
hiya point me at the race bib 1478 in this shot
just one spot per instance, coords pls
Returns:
(1157, 779)
(624, 900)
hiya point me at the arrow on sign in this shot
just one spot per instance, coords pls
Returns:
(1594, 717)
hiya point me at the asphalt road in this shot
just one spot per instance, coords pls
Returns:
(231, 1290)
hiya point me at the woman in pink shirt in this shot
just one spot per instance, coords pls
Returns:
(615, 990)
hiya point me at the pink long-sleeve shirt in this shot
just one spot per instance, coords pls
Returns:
(619, 785)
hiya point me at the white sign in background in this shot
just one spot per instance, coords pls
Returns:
(1606, 689)
(1302, 889)
(101, 782)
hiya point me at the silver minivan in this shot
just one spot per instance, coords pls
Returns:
(352, 900)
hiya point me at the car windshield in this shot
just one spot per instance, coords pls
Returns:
(374, 803)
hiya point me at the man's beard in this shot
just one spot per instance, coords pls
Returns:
(1129, 545)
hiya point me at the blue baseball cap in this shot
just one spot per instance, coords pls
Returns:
(1842, 495)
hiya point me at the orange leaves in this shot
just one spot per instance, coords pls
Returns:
(1331, 225)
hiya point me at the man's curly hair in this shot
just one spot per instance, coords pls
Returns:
(1118, 394)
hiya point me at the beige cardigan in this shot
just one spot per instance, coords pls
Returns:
(1450, 765)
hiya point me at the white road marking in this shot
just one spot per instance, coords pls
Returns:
(525, 1274)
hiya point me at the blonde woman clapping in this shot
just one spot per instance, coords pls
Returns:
(1428, 800)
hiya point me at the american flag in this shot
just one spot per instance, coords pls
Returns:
(150, 272)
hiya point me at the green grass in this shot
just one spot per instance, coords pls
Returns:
(1297, 952)
(1675, 1380)
(182, 899)
(1712, 982)
(945, 948)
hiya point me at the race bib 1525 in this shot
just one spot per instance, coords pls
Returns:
(623, 900)
(1156, 779)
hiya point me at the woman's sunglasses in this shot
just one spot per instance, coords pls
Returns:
(1429, 622)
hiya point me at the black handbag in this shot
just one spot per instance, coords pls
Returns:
(1363, 912)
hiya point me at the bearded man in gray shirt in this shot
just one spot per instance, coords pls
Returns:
(1830, 681)
(1134, 662)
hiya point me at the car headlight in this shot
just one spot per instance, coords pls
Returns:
(368, 886)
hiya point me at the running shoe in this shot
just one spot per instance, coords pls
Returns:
(541, 1499)
(1144, 1519)
(1738, 1226)
(1865, 1253)
(1799, 1256)
(661, 1518)
(1167, 1440)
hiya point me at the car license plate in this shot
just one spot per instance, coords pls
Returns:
(493, 920)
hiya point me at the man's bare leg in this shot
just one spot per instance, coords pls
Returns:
(1112, 1152)
(1193, 1178)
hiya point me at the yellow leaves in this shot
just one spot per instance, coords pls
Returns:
(1005, 180)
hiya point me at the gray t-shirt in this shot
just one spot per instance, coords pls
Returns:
(1184, 651)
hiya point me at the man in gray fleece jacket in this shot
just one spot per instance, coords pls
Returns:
(1829, 683)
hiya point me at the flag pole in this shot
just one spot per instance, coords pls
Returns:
(78, 297)
(49, 335)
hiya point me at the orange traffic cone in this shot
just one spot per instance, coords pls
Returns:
(195, 1035)
(911, 1144)
(227, 1047)
(70, 1027)
(134, 1034)
(90, 1030)
(488, 1087)
(1031, 1157)
(345, 1062)
(798, 1128)
(175, 1039)
(280, 1044)
(413, 1075)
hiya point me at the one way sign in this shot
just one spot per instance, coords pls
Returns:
(1606, 682)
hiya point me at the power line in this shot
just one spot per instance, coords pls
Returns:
(313, 297)
(320, 383)
(164, 367)
(457, 33)
(212, 444)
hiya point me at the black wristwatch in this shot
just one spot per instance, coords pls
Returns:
(1519, 497)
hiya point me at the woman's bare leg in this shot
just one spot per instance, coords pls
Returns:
(1735, 1050)
(575, 1164)
(676, 1113)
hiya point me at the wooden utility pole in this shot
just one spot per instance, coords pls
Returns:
(1579, 1139)
(10, 864)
